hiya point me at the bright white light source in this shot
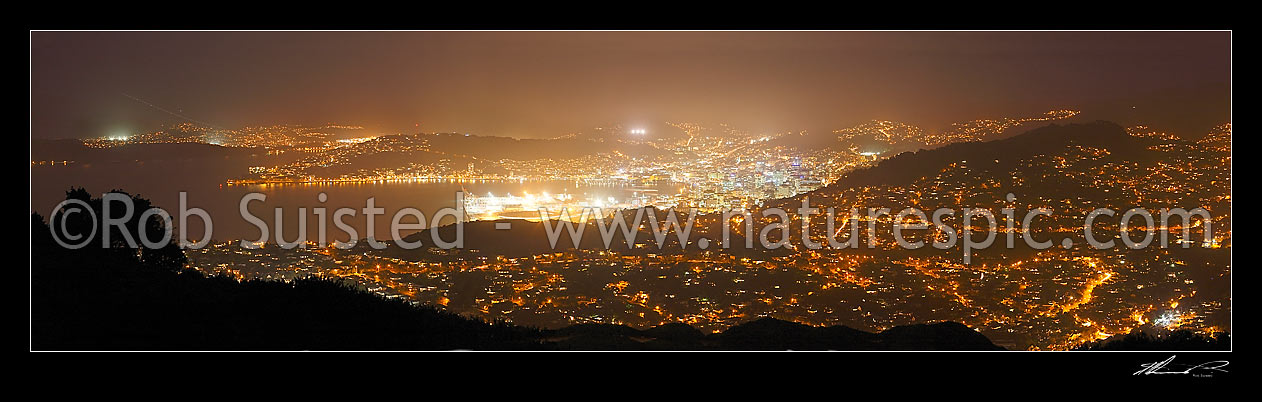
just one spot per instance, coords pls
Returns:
(1169, 319)
(639, 131)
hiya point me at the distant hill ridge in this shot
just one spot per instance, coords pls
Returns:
(906, 167)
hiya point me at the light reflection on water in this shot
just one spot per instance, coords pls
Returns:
(162, 185)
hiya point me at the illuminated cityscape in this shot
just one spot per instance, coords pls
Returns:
(1024, 299)
(628, 190)
(713, 169)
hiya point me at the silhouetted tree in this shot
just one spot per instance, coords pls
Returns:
(88, 226)
(124, 298)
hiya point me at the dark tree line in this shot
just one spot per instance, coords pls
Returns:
(140, 298)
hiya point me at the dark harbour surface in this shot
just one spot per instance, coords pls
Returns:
(163, 181)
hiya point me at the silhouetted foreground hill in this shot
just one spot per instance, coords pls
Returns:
(1175, 340)
(117, 298)
(117, 307)
(771, 334)
(107, 304)
(121, 298)
(112, 305)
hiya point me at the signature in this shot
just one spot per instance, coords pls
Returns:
(1202, 369)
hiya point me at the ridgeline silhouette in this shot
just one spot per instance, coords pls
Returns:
(127, 299)
(122, 298)
(1183, 339)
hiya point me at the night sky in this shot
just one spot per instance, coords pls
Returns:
(544, 84)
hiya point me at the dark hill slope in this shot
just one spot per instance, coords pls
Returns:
(908, 166)
(769, 334)
(113, 309)
(107, 299)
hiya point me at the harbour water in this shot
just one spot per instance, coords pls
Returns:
(163, 182)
